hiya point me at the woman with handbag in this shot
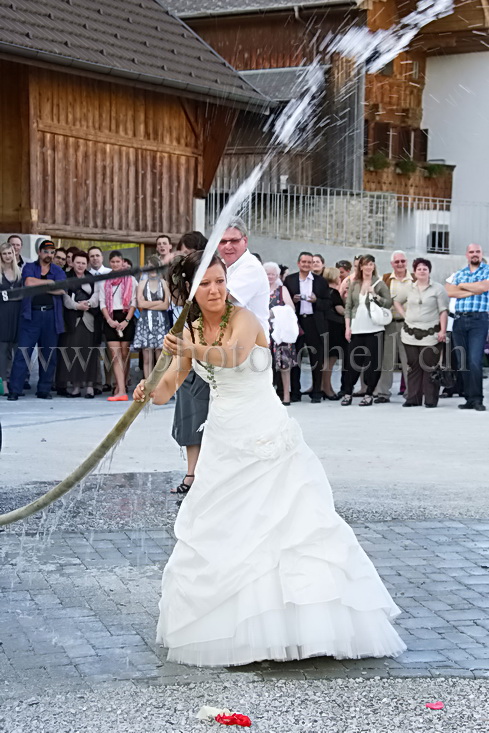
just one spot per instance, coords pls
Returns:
(425, 311)
(366, 315)
(283, 320)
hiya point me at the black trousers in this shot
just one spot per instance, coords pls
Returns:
(421, 362)
(364, 355)
(459, 385)
(312, 341)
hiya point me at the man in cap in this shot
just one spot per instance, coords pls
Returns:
(41, 322)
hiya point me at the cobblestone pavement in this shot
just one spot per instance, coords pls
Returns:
(80, 606)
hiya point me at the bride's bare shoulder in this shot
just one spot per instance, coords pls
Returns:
(242, 315)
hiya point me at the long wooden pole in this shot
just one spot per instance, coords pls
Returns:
(110, 440)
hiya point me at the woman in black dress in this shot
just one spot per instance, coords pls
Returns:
(336, 332)
(192, 399)
(10, 278)
(78, 359)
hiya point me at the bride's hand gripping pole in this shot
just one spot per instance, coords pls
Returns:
(110, 440)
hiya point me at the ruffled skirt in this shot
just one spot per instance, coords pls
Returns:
(264, 568)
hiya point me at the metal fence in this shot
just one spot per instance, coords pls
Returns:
(356, 218)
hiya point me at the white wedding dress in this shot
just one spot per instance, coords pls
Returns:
(263, 567)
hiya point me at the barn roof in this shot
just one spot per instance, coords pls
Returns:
(202, 8)
(133, 39)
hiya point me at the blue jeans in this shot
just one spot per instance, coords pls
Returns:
(469, 337)
(41, 330)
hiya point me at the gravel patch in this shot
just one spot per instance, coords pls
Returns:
(338, 706)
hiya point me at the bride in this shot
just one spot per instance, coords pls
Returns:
(263, 567)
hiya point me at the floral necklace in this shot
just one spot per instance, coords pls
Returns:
(210, 368)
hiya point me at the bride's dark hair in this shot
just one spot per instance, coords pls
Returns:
(181, 273)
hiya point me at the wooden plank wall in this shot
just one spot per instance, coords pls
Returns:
(113, 162)
(236, 165)
(13, 160)
(270, 40)
(400, 91)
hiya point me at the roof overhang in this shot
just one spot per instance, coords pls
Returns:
(279, 85)
(35, 57)
(261, 10)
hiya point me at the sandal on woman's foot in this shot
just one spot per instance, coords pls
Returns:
(367, 401)
(183, 488)
(346, 400)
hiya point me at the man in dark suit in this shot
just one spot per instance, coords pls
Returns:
(311, 296)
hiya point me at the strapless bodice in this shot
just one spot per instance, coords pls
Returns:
(253, 376)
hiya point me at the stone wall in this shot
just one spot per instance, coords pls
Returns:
(346, 220)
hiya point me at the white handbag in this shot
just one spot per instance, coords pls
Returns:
(285, 329)
(380, 316)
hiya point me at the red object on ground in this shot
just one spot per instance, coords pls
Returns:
(435, 705)
(234, 719)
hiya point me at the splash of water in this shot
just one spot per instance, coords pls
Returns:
(287, 132)
(375, 49)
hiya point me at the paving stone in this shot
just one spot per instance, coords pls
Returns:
(451, 672)
(283, 675)
(465, 615)
(427, 657)
(78, 651)
(410, 672)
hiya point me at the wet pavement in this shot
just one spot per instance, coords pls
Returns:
(79, 591)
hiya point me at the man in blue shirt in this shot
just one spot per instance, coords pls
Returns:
(471, 288)
(41, 322)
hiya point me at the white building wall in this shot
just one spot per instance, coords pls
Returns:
(456, 113)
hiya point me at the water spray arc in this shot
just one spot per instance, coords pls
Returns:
(374, 50)
(287, 132)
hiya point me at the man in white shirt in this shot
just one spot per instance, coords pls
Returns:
(97, 267)
(311, 295)
(96, 259)
(247, 280)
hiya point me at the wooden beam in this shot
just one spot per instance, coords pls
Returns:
(452, 43)
(485, 10)
(101, 234)
(192, 121)
(218, 128)
(33, 143)
(25, 206)
(115, 139)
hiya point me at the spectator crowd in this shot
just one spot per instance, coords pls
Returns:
(348, 314)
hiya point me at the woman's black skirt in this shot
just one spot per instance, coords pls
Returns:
(128, 333)
(78, 357)
(191, 408)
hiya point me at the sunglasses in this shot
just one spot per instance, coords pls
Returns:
(233, 242)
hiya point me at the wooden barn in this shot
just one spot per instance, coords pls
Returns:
(270, 42)
(113, 119)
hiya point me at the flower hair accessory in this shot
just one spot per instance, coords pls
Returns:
(178, 277)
